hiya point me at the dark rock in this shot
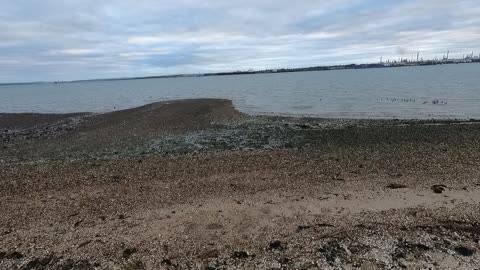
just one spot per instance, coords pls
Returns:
(2, 254)
(396, 186)
(276, 245)
(116, 178)
(326, 225)
(209, 254)
(83, 265)
(15, 255)
(303, 227)
(464, 251)
(121, 216)
(84, 243)
(167, 262)
(128, 252)
(404, 248)
(135, 265)
(438, 188)
(37, 263)
(333, 250)
(240, 255)
(304, 126)
(66, 265)
(77, 223)
(284, 260)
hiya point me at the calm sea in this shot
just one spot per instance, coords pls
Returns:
(444, 91)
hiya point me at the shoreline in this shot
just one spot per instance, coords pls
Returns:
(195, 184)
(7, 119)
(273, 71)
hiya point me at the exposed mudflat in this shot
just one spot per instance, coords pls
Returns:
(194, 184)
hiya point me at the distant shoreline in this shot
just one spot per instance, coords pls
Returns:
(270, 71)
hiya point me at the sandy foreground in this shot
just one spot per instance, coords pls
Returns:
(194, 184)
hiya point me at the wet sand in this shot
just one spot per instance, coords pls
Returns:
(194, 184)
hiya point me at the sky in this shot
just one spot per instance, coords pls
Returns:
(48, 40)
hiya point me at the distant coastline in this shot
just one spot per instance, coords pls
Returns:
(390, 64)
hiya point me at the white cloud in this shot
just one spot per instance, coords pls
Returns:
(73, 52)
(186, 37)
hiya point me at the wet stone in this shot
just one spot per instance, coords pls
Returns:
(15, 255)
(37, 263)
(438, 188)
(396, 186)
(128, 252)
(464, 251)
(276, 245)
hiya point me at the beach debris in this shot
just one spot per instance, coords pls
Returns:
(438, 188)
(276, 245)
(464, 251)
(240, 255)
(396, 186)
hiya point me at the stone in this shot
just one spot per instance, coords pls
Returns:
(276, 245)
(438, 188)
(209, 254)
(240, 255)
(396, 186)
(128, 252)
(464, 251)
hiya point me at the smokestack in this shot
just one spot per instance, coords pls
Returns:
(418, 54)
(448, 52)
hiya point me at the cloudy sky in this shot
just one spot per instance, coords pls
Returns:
(71, 39)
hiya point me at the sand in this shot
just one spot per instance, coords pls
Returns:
(195, 184)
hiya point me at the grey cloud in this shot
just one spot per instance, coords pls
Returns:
(52, 39)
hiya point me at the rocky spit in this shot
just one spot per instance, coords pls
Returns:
(195, 184)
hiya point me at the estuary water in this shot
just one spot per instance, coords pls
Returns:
(422, 92)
